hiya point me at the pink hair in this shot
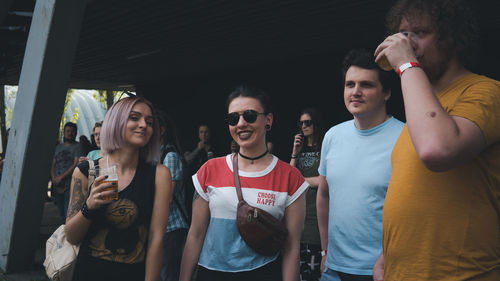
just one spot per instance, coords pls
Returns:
(114, 126)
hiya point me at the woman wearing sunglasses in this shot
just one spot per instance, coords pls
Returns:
(266, 182)
(121, 236)
(305, 156)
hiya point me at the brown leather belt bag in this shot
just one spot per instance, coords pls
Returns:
(260, 230)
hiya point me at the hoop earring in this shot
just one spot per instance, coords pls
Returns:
(268, 127)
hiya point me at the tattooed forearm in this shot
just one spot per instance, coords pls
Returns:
(77, 197)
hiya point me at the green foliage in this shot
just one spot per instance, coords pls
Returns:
(100, 96)
(10, 94)
(74, 116)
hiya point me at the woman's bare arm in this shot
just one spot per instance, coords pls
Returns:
(159, 220)
(294, 218)
(195, 238)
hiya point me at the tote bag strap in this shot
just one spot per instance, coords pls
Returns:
(91, 176)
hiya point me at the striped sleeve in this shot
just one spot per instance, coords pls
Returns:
(199, 181)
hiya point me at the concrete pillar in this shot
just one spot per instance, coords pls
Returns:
(3, 131)
(43, 84)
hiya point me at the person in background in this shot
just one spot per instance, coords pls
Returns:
(178, 221)
(213, 240)
(306, 156)
(442, 211)
(122, 239)
(355, 169)
(65, 160)
(203, 150)
(196, 158)
(96, 132)
(85, 144)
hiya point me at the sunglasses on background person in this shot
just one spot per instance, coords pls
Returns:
(307, 123)
(249, 115)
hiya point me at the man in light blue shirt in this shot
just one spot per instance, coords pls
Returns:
(355, 169)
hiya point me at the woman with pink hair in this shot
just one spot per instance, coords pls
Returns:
(121, 238)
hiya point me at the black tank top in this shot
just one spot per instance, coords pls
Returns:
(119, 233)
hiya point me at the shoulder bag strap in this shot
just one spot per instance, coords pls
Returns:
(237, 177)
(91, 176)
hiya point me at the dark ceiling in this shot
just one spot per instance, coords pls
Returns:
(132, 42)
(187, 55)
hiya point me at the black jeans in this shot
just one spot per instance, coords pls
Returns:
(310, 262)
(268, 272)
(173, 245)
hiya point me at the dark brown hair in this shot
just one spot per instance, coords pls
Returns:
(251, 92)
(364, 59)
(318, 128)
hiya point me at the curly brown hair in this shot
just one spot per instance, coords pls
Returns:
(454, 21)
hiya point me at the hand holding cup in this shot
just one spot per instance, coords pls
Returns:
(396, 50)
(101, 193)
(111, 179)
(105, 187)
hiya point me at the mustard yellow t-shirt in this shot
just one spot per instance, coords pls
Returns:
(446, 226)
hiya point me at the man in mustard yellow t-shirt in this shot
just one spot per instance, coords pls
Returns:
(442, 213)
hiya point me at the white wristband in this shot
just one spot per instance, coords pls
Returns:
(407, 65)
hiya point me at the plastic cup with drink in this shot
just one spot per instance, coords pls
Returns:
(383, 62)
(110, 170)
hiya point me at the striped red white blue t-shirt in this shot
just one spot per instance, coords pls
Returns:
(272, 189)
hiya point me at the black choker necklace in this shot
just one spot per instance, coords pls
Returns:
(254, 158)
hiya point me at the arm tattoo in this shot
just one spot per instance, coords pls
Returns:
(195, 196)
(77, 197)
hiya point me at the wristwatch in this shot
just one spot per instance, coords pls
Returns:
(323, 253)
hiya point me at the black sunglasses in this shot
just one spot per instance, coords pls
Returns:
(249, 115)
(305, 122)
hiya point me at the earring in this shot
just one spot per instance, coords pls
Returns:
(268, 127)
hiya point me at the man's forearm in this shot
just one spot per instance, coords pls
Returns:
(322, 214)
(69, 171)
(378, 268)
(322, 208)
